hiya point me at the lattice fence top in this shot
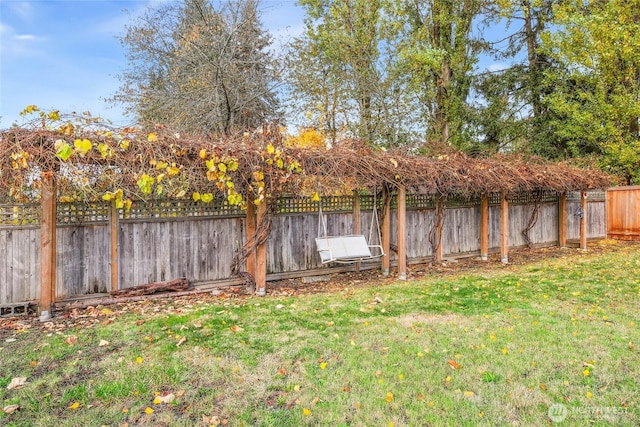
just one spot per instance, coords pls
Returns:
(25, 215)
(19, 215)
(167, 209)
(592, 196)
(530, 198)
(82, 213)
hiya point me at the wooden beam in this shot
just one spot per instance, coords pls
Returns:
(402, 233)
(250, 234)
(386, 230)
(484, 227)
(114, 237)
(261, 254)
(562, 220)
(356, 219)
(47, 246)
(583, 221)
(439, 219)
(504, 228)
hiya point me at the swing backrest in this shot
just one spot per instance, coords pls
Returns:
(343, 248)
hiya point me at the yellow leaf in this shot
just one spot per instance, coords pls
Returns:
(203, 154)
(74, 405)
(207, 197)
(586, 372)
(306, 412)
(196, 196)
(54, 115)
(124, 144)
(222, 167)
(315, 197)
(172, 170)
(82, 146)
(152, 137)
(271, 149)
(468, 393)
(157, 401)
(296, 387)
(258, 176)
(108, 196)
(589, 395)
(139, 359)
(504, 351)
(148, 411)
(323, 365)
(389, 397)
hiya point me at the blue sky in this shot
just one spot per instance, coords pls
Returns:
(62, 54)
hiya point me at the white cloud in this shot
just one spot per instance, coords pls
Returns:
(24, 37)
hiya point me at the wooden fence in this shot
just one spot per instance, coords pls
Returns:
(623, 207)
(165, 240)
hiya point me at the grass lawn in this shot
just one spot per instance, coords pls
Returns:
(488, 347)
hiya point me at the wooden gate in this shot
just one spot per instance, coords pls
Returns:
(623, 213)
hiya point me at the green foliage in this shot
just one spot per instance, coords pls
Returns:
(598, 101)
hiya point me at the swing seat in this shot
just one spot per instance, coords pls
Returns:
(346, 249)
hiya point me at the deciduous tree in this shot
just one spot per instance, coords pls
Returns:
(200, 68)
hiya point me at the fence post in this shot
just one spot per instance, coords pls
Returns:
(356, 219)
(484, 227)
(439, 218)
(583, 221)
(402, 233)
(504, 228)
(562, 220)
(250, 234)
(114, 235)
(47, 246)
(386, 230)
(261, 254)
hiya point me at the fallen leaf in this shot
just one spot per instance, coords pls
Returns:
(16, 383)
(468, 393)
(454, 364)
(389, 397)
(181, 341)
(323, 365)
(74, 405)
(236, 328)
(139, 359)
(148, 411)
(103, 343)
(282, 371)
(72, 340)
(10, 409)
(296, 387)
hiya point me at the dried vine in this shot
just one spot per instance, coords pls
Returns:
(533, 218)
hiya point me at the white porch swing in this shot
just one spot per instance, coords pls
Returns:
(350, 248)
